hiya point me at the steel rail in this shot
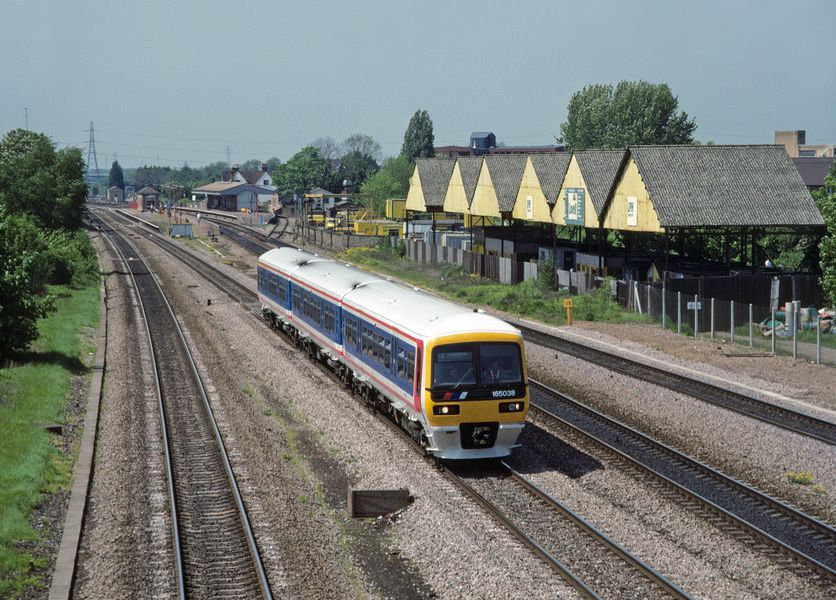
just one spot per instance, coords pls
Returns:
(816, 530)
(618, 550)
(252, 546)
(763, 410)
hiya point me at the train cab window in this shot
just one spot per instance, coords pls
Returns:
(499, 364)
(453, 366)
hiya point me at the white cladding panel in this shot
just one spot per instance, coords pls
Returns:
(417, 312)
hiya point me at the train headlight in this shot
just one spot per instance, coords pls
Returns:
(507, 407)
(446, 409)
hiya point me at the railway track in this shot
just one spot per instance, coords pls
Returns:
(794, 534)
(255, 242)
(762, 410)
(215, 552)
(781, 526)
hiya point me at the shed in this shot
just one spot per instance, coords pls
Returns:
(498, 185)
(462, 184)
(147, 197)
(538, 190)
(428, 184)
(660, 188)
(115, 194)
(586, 186)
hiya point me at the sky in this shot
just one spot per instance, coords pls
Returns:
(169, 82)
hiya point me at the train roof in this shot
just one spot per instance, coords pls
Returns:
(417, 312)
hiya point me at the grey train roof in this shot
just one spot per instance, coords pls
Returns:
(419, 313)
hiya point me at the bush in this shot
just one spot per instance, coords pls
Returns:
(545, 275)
(25, 267)
(597, 306)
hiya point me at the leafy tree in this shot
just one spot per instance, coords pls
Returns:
(634, 112)
(273, 164)
(214, 171)
(380, 187)
(355, 168)
(418, 139)
(307, 169)
(37, 180)
(251, 165)
(152, 176)
(362, 144)
(24, 269)
(826, 201)
(400, 168)
(117, 177)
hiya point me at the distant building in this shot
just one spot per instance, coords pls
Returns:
(115, 194)
(147, 197)
(484, 142)
(260, 178)
(796, 144)
(813, 169)
(232, 195)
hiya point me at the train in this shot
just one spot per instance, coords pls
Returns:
(454, 378)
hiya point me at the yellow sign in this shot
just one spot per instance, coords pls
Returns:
(567, 303)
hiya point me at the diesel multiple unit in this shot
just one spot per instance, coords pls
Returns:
(454, 378)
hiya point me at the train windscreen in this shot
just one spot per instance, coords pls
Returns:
(484, 364)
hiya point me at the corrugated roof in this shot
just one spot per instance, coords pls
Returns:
(551, 170)
(219, 186)
(506, 172)
(470, 167)
(599, 169)
(732, 186)
(435, 178)
(147, 190)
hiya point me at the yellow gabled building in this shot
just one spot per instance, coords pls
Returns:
(498, 185)
(538, 189)
(586, 187)
(630, 207)
(462, 184)
(428, 184)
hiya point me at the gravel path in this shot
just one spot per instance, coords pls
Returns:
(299, 441)
(125, 541)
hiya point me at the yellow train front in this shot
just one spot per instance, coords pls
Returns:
(475, 397)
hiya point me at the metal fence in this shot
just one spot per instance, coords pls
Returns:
(796, 331)
(337, 240)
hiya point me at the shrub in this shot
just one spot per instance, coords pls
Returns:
(800, 477)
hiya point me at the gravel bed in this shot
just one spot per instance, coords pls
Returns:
(125, 543)
(299, 441)
(750, 450)
(810, 385)
(603, 571)
(705, 560)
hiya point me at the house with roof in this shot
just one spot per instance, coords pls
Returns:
(115, 194)
(540, 186)
(261, 178)
(498, 185)
(428, 184)
(230, 195)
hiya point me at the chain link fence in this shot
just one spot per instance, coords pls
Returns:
(791, 330)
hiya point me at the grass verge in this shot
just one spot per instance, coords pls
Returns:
(33, 392)
(528, 299)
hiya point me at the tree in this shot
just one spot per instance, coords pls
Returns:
(634, 112)
(251, 165)
(400, 168)
(117, 177)
(273, 164)
(24, 270)
(307, 169)
(355, 168)
(37, 180)
(826, 201)
(380, 187)
(418, 139)
(328, 148)
(362, 144)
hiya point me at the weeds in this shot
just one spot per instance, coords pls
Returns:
(800, 477)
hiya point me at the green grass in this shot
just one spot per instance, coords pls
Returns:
(528, 299)
(34, 391)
